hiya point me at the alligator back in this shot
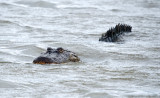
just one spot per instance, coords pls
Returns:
(113, 34)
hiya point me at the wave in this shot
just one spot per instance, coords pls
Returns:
(42, 4)
(6, 21)
(20, 54)
(7, 84)
(4, 4)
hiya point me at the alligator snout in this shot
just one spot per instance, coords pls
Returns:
(43, 60)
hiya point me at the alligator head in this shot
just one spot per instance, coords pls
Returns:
(56, 56)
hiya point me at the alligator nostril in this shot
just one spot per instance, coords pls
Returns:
(49, 50)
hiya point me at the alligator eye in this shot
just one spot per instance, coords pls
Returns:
(60, 50)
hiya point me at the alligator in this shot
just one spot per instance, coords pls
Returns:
(114, 33)
(56, 56)
(61, 55)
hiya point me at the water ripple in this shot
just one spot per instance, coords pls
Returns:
(42, 4)
(127, 69)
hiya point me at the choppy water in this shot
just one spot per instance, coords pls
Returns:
(130, 69)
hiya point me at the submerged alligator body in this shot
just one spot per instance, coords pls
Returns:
(56, 56)
(113, 34)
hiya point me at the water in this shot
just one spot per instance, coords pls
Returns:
(128, 69)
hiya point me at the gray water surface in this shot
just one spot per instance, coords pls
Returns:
(106, 70)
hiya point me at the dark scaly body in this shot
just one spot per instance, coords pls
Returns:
(113, 34)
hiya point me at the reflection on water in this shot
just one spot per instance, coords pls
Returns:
(127, 69)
